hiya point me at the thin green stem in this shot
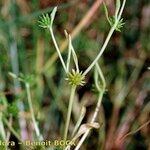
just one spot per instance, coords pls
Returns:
(2, 131)
(32, 112)
(82, 114)
(98, 105)
(57, 48)
(102, 49)
(69, 53)
(75, 58)
(117, 8)
(12, 130)
(73, 89)
(92, 121)
(121, 10)
(101, 76)
(107, 40)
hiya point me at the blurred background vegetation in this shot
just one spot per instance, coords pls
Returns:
(28, 49)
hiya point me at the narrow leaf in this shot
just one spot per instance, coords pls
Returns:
(53, 15)
(13, 75)
(69, 50)
(117, 8)
(82, 114)
(85, 127)
(106, 13)
(75, 58)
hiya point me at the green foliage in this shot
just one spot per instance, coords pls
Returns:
(12, 109)
(8, 109)
(2, 147)
(27, 79)
(30, 79)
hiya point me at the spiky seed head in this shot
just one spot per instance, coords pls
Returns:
(75, 78)
(119, 25)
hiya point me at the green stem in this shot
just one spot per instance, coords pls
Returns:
(57, 48)
(73, 89)
(98, 106)
(92, 121)
(107, 40)
(101, 51)
(2, 131)
(32, 112)
(12, 130)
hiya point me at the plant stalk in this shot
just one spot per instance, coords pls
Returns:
(101, 51)
(92, 121)
(2, 131)
(12, 130)
(57, 48)
(106, 41)
(32, 112)
(73, 89)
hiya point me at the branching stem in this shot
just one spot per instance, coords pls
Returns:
(92, 121)
(102, 49)
(107, 40)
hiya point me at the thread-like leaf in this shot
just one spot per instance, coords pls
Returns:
(13, 75)
(106, 13)
(99, 78)
(100, 73)
(82, 114)
(84, 127)
(53, 15)
(69, 50)
(117, 8)
(75, 58)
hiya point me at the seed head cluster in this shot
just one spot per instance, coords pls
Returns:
(75, 78)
